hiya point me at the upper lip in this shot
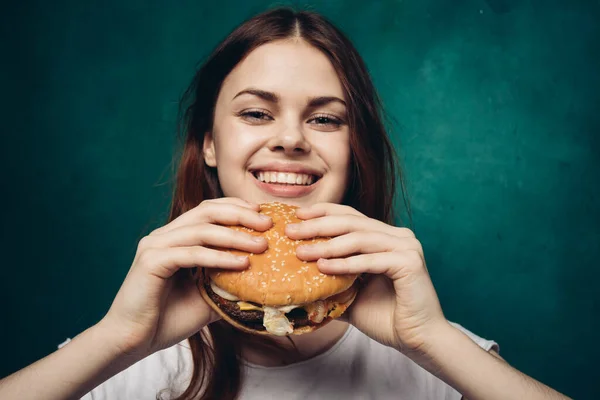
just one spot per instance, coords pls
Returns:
(286, 167)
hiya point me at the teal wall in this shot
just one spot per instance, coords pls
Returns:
(497, 106)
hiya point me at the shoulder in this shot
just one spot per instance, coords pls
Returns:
(167, 370)
(399, 374)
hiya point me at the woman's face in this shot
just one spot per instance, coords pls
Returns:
(280, 128)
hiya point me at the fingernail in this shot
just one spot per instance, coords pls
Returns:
(293, 227)
(265, 217)
(258, 239)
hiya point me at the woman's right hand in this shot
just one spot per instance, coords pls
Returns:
(153, 308)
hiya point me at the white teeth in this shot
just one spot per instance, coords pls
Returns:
(284, 177)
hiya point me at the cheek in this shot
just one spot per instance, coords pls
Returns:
(336, 153)
(234, 143)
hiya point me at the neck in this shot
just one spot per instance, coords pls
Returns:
(309, 345)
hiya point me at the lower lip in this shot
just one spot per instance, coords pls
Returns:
(283, 190)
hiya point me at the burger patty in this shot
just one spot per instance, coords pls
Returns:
(254, 318)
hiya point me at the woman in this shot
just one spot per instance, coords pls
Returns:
(285, 92)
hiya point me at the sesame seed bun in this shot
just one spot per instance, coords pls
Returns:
(277, 278)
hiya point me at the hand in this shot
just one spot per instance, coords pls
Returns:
(155, 307)
(398, 307)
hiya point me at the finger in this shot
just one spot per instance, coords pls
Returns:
(323, 209)
(335, 225)
(394, 265)
(356, 243)
(163, 263)
(206, 235)
(222, 213)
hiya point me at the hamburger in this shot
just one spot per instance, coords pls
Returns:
(278, 294)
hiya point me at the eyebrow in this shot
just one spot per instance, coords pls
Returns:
(274, 98)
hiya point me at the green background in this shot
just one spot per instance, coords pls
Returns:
(497, 106)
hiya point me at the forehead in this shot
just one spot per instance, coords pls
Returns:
(290, 68)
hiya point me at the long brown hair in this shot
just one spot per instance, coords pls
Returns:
(373, 177)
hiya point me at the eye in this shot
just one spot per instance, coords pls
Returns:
(326, 120)
(255, 116)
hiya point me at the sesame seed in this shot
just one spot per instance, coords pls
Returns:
(260, 273)
(310, 289)
(273, 280)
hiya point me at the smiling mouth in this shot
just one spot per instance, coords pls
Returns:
(285, 178)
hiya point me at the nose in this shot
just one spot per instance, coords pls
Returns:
(291, 141)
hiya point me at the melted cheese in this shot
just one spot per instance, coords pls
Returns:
(244, 306)
(337, 311)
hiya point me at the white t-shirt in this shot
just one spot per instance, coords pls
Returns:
(356, 367)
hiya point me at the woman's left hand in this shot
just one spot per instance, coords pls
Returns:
(398, 307)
